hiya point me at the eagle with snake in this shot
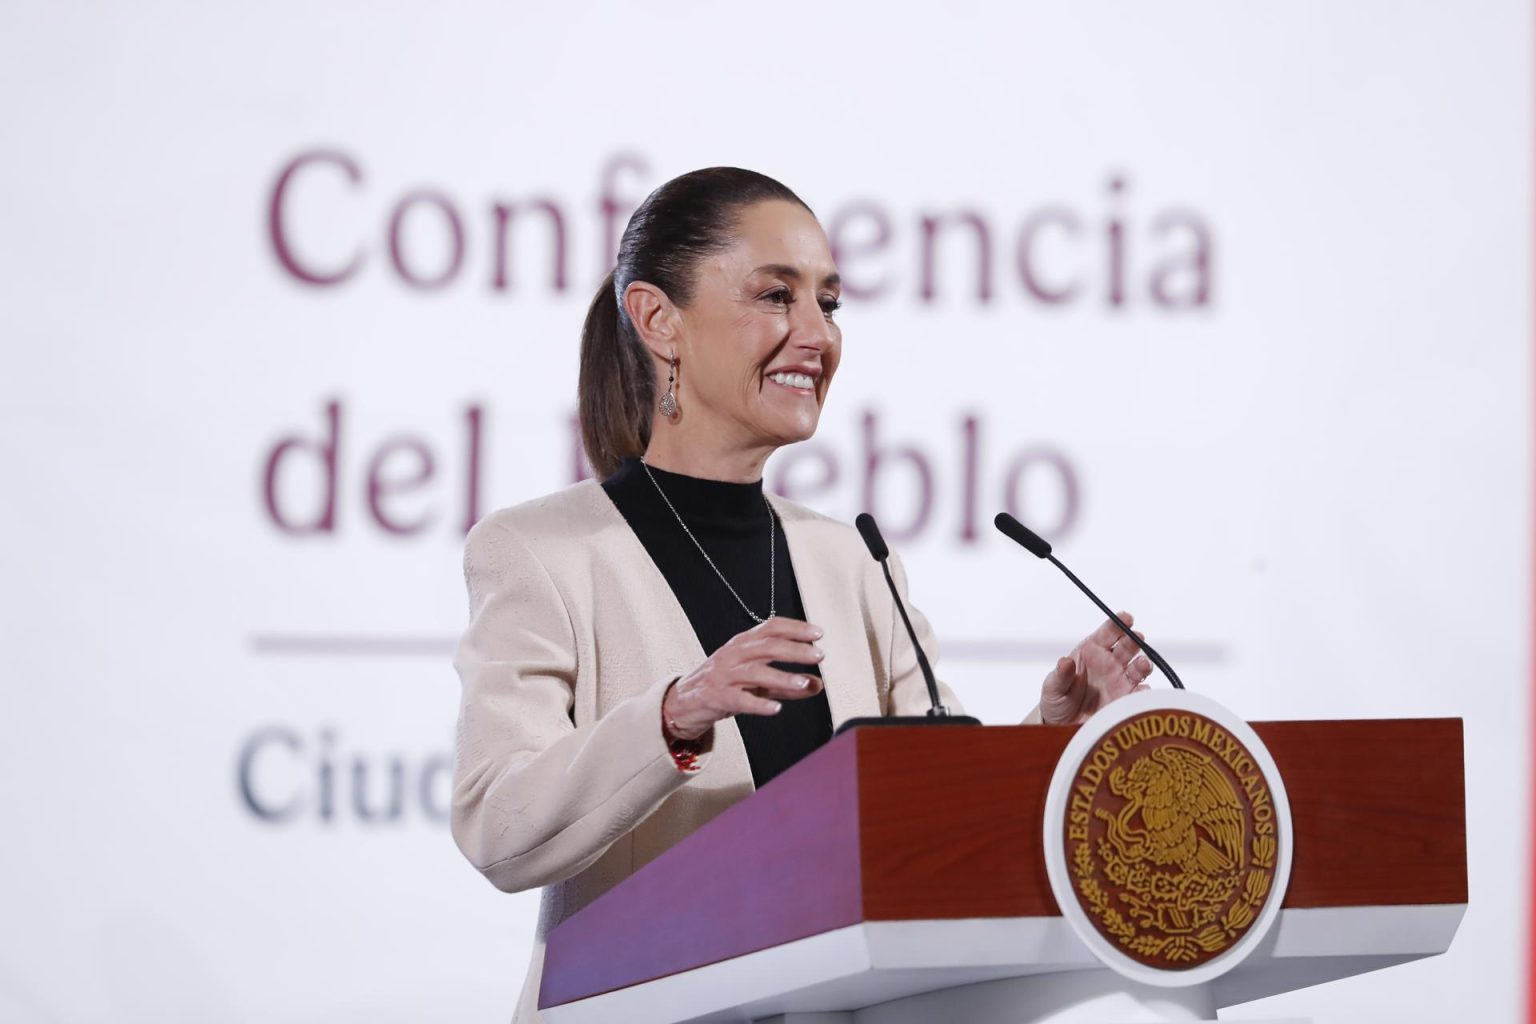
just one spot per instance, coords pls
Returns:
(1189, 813)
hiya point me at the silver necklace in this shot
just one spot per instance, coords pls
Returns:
(773, 594)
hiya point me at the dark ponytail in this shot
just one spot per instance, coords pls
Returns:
(617, 388)
(680, 223)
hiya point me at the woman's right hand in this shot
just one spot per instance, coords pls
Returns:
(738, 679)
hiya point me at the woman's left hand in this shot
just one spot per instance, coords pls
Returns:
(1106, 665)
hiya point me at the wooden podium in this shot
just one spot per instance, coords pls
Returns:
(898, 875)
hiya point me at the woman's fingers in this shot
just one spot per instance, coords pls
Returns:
(1124, 650)
(1092, 677)
(738, 679)
(1061, 681)
(765, 649)
(777, 683)
(1065, 695)
(1108, 632)
(744, 703)
(777, 639)
(787, 629)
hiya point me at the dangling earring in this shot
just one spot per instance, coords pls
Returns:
(669, 400)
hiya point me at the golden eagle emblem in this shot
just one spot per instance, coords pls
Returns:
(1167, 854)
(1189, 813)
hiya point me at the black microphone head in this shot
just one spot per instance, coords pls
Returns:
(1022, 535)
(871, 534)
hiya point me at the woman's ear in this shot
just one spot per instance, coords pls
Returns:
(654, 316)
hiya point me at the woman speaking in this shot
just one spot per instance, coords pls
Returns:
(646, 651)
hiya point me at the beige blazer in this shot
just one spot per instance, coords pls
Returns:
(561, 776)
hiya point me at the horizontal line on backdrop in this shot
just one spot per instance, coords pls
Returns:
(318, 645)
(315, 645)
(1049, 650)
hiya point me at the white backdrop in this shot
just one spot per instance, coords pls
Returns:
(1232, 301)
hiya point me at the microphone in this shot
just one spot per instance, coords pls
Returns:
(938, 714)
(1037, 546)
(865, 523)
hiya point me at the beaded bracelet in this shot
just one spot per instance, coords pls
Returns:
(685, 753)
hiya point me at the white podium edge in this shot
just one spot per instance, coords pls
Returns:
(875, 962)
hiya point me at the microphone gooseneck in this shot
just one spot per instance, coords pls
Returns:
(880, 553)
(1037, 546)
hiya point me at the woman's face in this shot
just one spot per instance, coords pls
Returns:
(758, 344)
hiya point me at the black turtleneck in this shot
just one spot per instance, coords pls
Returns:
(731, 522)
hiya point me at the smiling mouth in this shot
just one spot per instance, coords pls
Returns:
(799, 381)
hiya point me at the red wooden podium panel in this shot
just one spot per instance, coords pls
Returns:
(944, 823)
(1379, 810)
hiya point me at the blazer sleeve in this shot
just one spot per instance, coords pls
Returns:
(535, 798)
(909, 691)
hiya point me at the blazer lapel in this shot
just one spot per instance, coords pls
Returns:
(830, 596)
(667, 637)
